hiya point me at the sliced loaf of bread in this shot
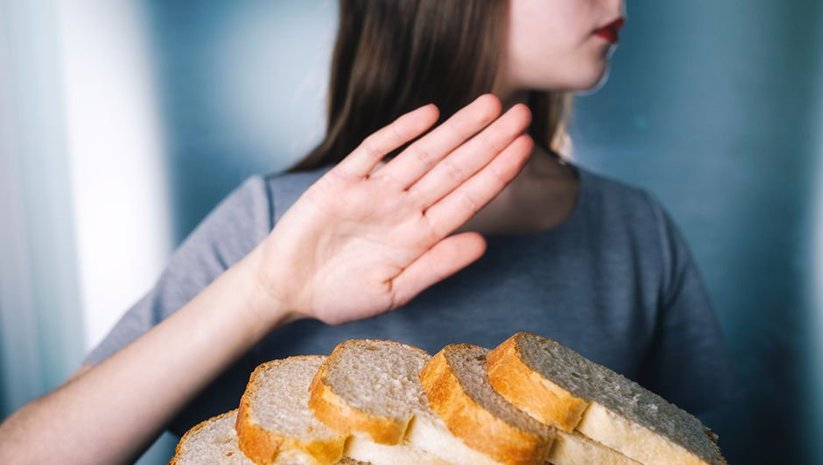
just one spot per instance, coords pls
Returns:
(371, 390)
(557, 386)
(458, 391)
(274, 417)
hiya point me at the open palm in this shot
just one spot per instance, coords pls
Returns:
(366, 238)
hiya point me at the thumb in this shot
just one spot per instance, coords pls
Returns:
(447, 257)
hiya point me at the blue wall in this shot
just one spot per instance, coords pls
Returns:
(712, 106)
(242, 88)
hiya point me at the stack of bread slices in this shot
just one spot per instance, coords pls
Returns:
(531, 400)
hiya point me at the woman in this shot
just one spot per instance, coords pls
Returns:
(456, 222)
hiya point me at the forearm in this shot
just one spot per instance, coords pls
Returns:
(108, 414)
(356, 244)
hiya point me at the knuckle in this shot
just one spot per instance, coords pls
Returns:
(466, 123)
(488, 140)
(423, 155)
(499, 175)
(459, 130)
(433, 230)
(487, 114)
(370, 147)
(468, 202)
(437, 272)
(453, 171)
(497, 180)
(397, 132)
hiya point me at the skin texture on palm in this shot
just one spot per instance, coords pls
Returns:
(362, 241)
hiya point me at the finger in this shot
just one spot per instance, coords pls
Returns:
(362, 160)
(471, 157)
(461, 204)
(423, 154)
(438, 263)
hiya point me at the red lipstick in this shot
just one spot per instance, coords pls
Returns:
(610, 31)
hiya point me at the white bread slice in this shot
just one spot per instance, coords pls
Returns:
(380, 454)
(274, 417)
(214, 441)
(558, 386)
(576, 449)
(371, 389)
(458, 391)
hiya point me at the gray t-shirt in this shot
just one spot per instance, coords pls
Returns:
(615, 281)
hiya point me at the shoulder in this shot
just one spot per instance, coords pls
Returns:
(631, 219)
(231, 229)
(285, 188)
(241, 218)
(245, 216)
(619, 201)
(622, 213)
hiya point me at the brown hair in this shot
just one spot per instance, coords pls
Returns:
(392, 56)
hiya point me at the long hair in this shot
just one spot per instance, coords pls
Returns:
(392, 56)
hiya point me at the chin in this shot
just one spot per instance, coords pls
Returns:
(594, 84)
(587, 78)
(586, 81)
(590, 82)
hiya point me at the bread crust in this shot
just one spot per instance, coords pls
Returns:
(551, 404)
(178, 450)
(261, 446)
(636, 441)
(336, 413)
(472, 423)
(529, 391)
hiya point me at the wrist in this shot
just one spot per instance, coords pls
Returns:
(269, 311)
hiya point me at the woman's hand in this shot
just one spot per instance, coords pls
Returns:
(359, 242)
(366, 238)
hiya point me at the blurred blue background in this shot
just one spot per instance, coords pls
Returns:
(125, 122)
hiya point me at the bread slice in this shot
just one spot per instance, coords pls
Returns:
(371, 389)
(560, 387)
(464, 371)
(380, 454)
(458, 391)
(274, 417)
(214, 441)
(576, 449)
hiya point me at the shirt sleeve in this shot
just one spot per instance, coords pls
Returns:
(688, 362)
(228, 233)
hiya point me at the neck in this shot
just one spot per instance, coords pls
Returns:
(540, 163)
(540, 197)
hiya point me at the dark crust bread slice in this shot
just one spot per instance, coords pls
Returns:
(547, 402)
(576, 393)
(472, 421)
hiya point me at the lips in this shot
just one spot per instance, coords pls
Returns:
(610, 31)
